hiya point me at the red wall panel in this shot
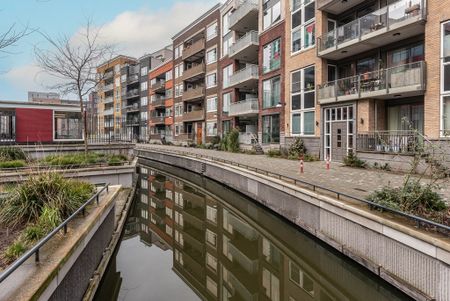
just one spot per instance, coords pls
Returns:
(34, 125)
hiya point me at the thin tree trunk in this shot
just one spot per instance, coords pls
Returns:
(84, 121)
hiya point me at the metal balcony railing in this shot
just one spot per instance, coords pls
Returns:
(158, 102)
(399, 79)
(244, 107)
(108, 112)
(108, 87)
(248, 73)
(193, 115)
(133, 78)
(250, 38)
(381, 21)
(159, 85)
(133, 93)
(157, 119)
(194, 71)
(193, 93)
(195, 48)
(133, 108)
(108, 74)
(243, 8)
(109, 99)
(406, 142)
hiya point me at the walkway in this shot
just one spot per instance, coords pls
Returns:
(353, 181)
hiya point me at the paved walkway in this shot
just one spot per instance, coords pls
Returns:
(353, 181)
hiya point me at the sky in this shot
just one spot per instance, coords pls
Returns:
(136, 27)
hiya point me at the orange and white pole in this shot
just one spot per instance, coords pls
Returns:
(328, 162)
(301, 164)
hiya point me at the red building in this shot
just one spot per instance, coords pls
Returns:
(22, 122)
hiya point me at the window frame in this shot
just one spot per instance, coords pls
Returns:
(215, 23)
(443, 94)
(208, 107)
(302, 26)
(302, 91)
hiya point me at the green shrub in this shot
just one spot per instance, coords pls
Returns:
(297, 148)
(15, 250)
(80, 159)
(413, 197)
(215, 140)
(274, 153)
(384, 166)
(311, 158)
(33, 233)
(8, 153)
(13, 164)
(233, 141)
(353, 161)
(26, 202)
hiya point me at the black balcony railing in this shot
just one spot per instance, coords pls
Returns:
(405, 142)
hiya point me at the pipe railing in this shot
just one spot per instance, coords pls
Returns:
(63, 226)
(418, 221)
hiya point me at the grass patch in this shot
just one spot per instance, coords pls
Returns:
(9, 153)
(353, 161)
(81, 159)
(41, 203)
(13, 164)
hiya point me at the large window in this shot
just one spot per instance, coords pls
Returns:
(227, 35)
(211, 128)
(272, 56)
(302, 24)
(211, 80)
(68, 125)
(271, 129)
(271, 92)
(271, 12)
(211, 104)
(211, 31)
(227, 72)
(445, 80)
(211, 56)
(303, 101)
(300, 278)
(226, 100)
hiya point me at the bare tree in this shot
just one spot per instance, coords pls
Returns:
(12, 35)
(73, 62)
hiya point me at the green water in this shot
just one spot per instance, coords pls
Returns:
(198, 240)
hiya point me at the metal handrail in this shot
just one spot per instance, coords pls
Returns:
(68, 166)
(35, 250)
(314, 187)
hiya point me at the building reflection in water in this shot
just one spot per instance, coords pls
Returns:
(225, 253)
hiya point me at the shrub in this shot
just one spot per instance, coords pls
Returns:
(311, 158)
(413, 197)
(215, 140)
(233, 141)
(80, 159)
(26, 202)
(384, 166)
(13, 164)
(297, 148)
(15, 250)
(353, 161)
(8, 153)
(274, 153)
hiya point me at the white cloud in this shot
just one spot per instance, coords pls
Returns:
(135, 33)
(139, 32)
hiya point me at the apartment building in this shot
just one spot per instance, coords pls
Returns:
(238, 76)
(131, 96)
(161, 102)
(195, 79)
(111, 97)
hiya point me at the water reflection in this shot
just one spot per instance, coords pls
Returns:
(224, 247)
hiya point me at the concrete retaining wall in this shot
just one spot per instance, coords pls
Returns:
(410, 260)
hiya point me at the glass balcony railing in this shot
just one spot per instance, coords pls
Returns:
(250, 72)
(378, 22)
(108, 112)
(250, 38)
(109, 99)
(244, 107)
(108, 87)
(394, 80)
(244, 7)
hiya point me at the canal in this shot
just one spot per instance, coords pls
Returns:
(190, 238)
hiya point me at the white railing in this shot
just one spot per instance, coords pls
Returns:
(108, 112)
(383, 18)
(249, 72)
(244, 107)
(109, 99)
(250, 38)
(243, 8)
(380, 82)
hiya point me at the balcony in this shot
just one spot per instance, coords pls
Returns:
(157, 119)
(109, 124)
(400, 20)
(132, 122)
(133, 108)
(108, 87)
(194, 73)
(108, 112)
(244, 78)
(193, 115)
(159, 86)
(244, 108)
(390, 142)
(245, 17)
(193, 94)
(133, 78)
(132, 93)
(109, 99)
(195, 50)
(158, 102)
(246, 48)
(108, 75)
(336, 7)
(400, 81)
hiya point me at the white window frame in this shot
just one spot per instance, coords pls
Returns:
(226, 75)
(302, 111)
(208, 51)
(208, 84)
(302, 27)
(443, 93)
(270, 10)
(216, 31)
(144, 71)
(209, 107)
(226, 104)
(214, 129)
(144, 86)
